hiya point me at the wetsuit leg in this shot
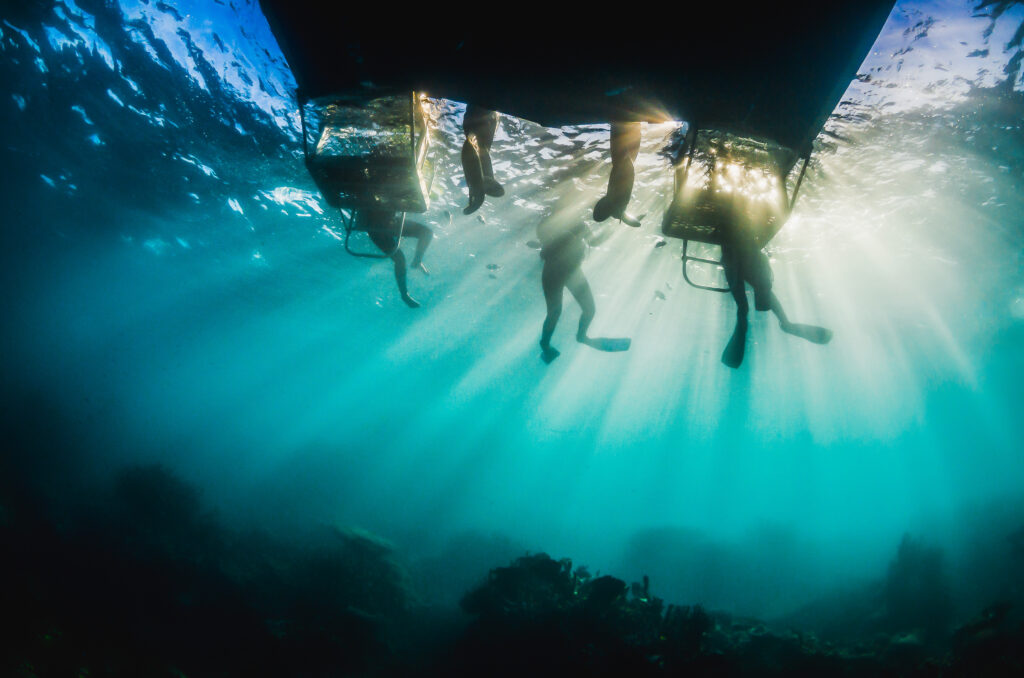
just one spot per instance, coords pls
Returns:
(423, 235)
(625, 146)
(383, 236)
(734, 278)
(479, 125)
(474, 175)
(625, 141)
(483, 124)
(387, 241)
(758, 273)
(580, 289)
(735, 349)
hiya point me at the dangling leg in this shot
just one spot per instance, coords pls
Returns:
(625, 146)
(388, 242)
(479, 125)
(485, 126)
(735, 349)
(764, 299)
(474, 174)
(580, 289)
(399, 260)
(812, 333)
(552, 281)
(424, 236)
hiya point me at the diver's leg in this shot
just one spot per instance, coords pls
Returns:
(399, 260)
(758, 273)
(626, 139)
(552, 280)
(387, 241)
(779, 312)
(580, 289)
(485, 127)
(735, 349)
(625, 145)
(812, 333)
(780, 177)
(423, 236)
(471, 167)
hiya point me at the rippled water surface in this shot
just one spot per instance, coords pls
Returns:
(175, 290)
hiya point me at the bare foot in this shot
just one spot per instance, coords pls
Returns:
(548, 354)
(410, 302)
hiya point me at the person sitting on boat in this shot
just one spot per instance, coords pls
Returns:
(479, 124)
(385, 229)
(745, 262)
(563, 248)
(625, 146)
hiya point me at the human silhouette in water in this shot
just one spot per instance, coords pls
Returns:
(745, 262)
(625, 146)
(385, 229)
(563, 248)
(479, 124)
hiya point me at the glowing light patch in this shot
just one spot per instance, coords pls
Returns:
(24, 34)
(192, 160)
(156, 245)
(1017, 308)
(81, 111)
(296, 197)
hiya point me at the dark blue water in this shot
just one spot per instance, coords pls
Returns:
(175, 292)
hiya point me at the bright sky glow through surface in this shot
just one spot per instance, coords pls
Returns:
(229, 336)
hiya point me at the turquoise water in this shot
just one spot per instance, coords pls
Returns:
(175, 292)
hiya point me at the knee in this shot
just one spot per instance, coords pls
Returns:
(740, 297)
